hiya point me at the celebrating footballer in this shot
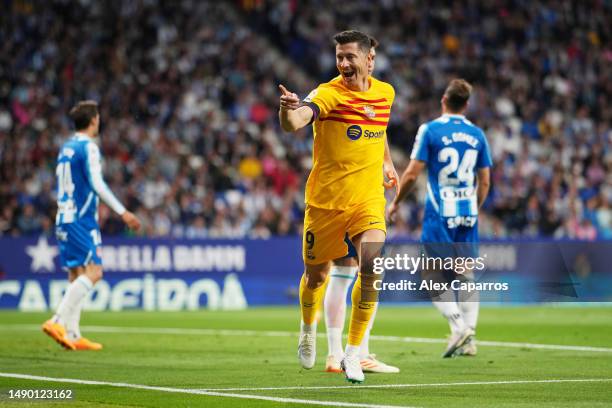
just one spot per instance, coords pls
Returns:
(345, 190)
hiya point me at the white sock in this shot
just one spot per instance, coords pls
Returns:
(351, 351)
(364, 349)
(334, 342)
(469, 310)
(74, 295)
(469, 304)
(73, 330)
(451, 311)
(340, 279)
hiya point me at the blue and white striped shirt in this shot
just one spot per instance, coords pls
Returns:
(80, 183)
(453, 149)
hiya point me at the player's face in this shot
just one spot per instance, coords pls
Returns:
(352, 63)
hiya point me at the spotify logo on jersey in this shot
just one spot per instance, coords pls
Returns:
(354, 132)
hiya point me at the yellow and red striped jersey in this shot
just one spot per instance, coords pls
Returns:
(350, 129)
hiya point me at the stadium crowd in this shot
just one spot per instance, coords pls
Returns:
(188, 97)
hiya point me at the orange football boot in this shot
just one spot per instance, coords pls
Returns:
(58, 333)
(86, 344)
(332, 365)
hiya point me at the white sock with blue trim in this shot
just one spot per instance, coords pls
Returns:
(340, 279)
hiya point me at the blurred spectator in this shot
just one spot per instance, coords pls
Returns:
(542, 93)
(29, 222)
(188, 100)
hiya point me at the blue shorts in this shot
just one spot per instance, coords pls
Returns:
(441, 241)
(79, 244)
(352, 251)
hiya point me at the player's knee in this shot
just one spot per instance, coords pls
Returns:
(467, 276)
(314, 280)
(375, 236)
(346, 261)
(75, 273)
(316, 274)
(368, 259)
(369, 244)
(94, 272)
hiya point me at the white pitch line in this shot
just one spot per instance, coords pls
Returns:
(498, 344)
(263, 333)
(199, 392)
(334, 387)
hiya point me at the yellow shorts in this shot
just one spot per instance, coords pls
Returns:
(324, 230)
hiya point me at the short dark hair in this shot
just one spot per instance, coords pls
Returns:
(363, 41)
(457, 94)
(83, 113)
(373, 42)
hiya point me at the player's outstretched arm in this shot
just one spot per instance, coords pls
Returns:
(291, 115)
(484, 184)
(407, 182)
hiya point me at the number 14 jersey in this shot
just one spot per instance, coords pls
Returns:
(80, 183)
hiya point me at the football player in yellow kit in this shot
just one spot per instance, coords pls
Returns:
(340, 277)
(344, 191)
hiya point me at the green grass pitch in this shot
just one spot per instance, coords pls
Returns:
(214, 355)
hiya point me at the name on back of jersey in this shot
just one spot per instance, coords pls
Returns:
(457, 137)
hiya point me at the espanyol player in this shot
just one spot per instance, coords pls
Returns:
(79, 187)
(457, 157)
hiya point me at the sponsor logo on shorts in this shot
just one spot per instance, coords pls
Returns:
(61, 235)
